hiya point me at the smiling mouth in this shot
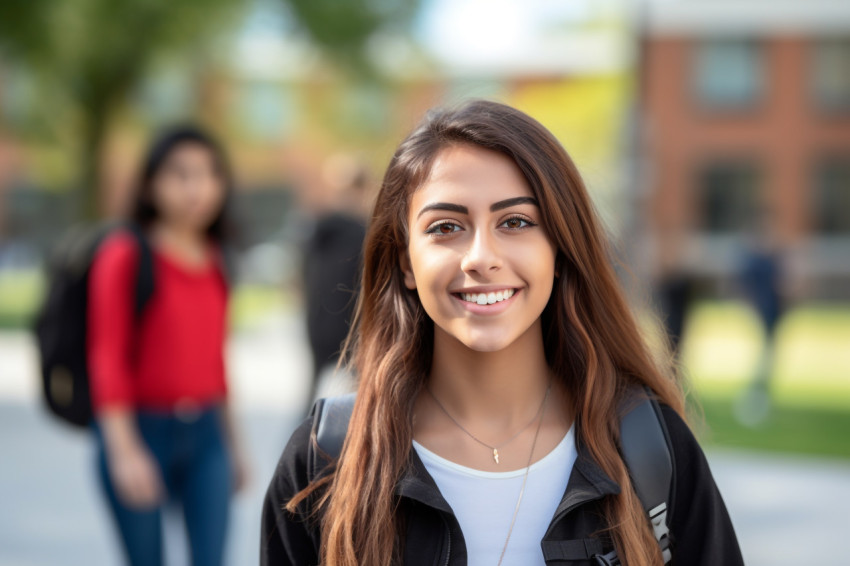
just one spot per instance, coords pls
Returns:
(486, 298)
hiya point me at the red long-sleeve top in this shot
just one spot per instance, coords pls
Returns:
(174, 353)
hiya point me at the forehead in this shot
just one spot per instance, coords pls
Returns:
(190, 151)
(471, 176)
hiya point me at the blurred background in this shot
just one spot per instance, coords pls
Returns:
(713, 136)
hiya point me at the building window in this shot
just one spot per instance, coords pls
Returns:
(831, 74)
(729, 192)
(832, 193)
(728, 73)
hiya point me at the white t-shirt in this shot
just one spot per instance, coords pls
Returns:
(484, 503)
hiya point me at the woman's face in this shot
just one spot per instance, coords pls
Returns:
(188, 190)
(477, 253)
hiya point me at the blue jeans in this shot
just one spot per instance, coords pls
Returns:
(194, 463)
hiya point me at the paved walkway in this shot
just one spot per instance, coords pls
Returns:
(786, 510)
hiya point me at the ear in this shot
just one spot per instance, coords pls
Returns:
(559, 264)
(404, 263)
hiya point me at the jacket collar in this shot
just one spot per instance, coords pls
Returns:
(587, 482)
(419, 485)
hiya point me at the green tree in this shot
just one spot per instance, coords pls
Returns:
(87, 55)
(343, 28)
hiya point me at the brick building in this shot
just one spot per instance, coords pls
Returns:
(744, 115)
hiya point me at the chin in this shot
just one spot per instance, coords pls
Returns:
(485, 344)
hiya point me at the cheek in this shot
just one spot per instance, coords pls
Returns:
(165, 195)
(213, 195)
(433, 266)
(540, 260)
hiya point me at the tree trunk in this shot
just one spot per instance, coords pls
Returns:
(91, 191)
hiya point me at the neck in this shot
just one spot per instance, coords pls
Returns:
(188, 245)
(177, 235)
(503, 387)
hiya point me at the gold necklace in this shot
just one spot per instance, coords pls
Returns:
(495, 449)
(524, 479)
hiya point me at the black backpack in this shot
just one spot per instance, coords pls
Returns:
(61, 324)
(644, 444)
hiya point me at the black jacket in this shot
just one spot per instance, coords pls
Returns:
(700, 529)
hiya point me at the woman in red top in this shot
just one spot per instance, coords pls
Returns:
(158, 384)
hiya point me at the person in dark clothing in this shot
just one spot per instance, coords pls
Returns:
(331, 263)
(331, 272)
(761, 281)
(494, 350)
(674, 285)
(674, 299)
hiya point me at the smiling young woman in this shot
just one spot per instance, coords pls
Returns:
(495, 351)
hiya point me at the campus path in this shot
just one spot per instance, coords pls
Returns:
(786, 510)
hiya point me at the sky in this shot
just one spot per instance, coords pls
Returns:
(483, 32)
(461, 34)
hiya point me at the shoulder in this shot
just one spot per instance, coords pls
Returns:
(222, 257)
(681, 436)
(700, 527)
(115, 259)
(290, 538)
(291, 474)
(689, 458)
(118, 247)
(690, 466)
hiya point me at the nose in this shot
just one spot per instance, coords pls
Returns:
(483, 255)
(199, 183)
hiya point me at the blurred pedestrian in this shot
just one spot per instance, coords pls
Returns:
(673, 288)
(163, 425)
(331, 267)
(496, 355)
(761, 279)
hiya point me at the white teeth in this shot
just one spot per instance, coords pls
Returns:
(487, 298)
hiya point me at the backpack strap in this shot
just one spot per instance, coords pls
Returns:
(645, 446)
(145, 276)
(330, 424)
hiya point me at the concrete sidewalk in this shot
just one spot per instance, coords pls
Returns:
(786, 510)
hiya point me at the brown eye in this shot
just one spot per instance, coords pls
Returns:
(517, 223)
(443, 228)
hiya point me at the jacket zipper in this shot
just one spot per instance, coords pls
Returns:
(449, 546)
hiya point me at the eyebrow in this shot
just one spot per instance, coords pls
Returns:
(507, 203)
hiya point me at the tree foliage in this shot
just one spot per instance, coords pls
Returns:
(86, 56)
(343, 28)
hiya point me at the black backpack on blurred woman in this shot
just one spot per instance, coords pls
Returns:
(61, 324)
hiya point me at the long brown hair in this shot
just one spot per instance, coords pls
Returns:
(592, 341)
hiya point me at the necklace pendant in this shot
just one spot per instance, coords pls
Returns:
(496, 455)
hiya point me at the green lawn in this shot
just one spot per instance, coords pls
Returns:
(802, 429)
(20, 295)
(810, 387)
(250, 304)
